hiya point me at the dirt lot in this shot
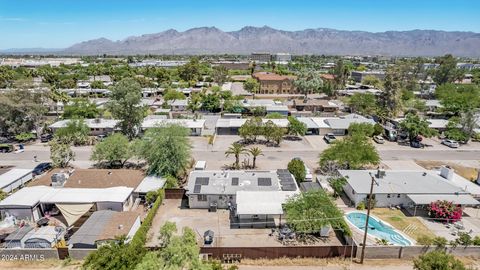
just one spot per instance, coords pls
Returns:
(200, 220)
(469, 173)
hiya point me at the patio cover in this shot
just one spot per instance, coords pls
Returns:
(72, 212)
(261, 202)
(462, 199)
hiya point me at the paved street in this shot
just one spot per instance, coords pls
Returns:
(274, 157)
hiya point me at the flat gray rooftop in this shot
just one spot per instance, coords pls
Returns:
(400, 182)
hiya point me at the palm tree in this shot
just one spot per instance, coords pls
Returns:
(58, 96)
(255, 152)
(236, 149)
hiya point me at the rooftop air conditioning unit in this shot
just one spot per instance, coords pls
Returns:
(58, 179)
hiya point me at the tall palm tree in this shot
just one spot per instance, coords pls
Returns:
(236, 149)
(255, 152)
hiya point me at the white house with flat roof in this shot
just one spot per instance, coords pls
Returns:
(195, 125)
(252, 195)
(14, 179)
(404, 188)
(98, 126)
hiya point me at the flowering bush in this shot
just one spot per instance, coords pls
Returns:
(445, 211)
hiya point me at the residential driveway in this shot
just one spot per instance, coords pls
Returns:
(402, 165)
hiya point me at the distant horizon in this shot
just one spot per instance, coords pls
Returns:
(27, 49)
(60, 24)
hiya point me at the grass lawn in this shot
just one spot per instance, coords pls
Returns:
(396, 218)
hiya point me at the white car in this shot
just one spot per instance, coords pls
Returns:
(451, 143)
(329, 138)
(379, 139)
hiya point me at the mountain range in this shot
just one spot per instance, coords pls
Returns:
(211, 40)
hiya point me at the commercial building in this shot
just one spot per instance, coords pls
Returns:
(272, 83)
(358, 76)
(261, 57)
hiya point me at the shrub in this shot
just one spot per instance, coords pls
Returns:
(297, 168)
(361, 206)
(476, 241)
(437, 260)
(377, 129)
(445, 211)
(25, 136)
(439, 241)
(425, 240)
(464, 239)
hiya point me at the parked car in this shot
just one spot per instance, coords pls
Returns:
(451, 143)
(41, 168)
(46, 137)
(379, 139)
(416, 144)
(329, 137)
(6, 148)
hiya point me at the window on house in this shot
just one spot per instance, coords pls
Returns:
(388, 195)
(398, 195)
(202, 198)
(255, 217)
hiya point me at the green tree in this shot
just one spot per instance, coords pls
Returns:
(75, 132)
(378, 129)
(295, 127)
(415, 126)
(365, 104)
(190, 71)
(220, 75)
(255, 152)
(297, 168)
(391, 98)
(251, 85)
(61, 154)
(194, 103)
(98, 85)
(172, 94)
(308, 82)
(276, 134)
(81, 108)
(58, 96)
(353, 152)
(337, 185)
(236, 149)
(365, 129)
(437, 260)
(115, 255)
(275, 115)
(447, 71)
(372, 81)
(21, 110)
(166, 149)
(125, 105)
(311, 211)
(115, 149)
(211, 102)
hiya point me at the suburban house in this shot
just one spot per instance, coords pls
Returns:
(103, 226)
(195, 125)
(254, 195)
(102, 178)
(14, 179)
(32, 203)
(178, 105)
(272, 83)
(230, 126)
(315, 105)
(98, 126)
(339, 125)
(408, 189)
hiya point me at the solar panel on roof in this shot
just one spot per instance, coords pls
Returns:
(234, 181)
(202, 181)
(264, 181)
(197, 188)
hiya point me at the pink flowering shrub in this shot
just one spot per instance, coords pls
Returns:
(445, 211)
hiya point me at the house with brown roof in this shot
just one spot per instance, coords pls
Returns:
(272, 83)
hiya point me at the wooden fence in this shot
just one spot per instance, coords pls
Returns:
(238, 253)
(174, 193)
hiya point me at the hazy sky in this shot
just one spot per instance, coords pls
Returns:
(61, 23)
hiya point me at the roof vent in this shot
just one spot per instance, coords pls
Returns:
(424, 173)
(120, 227)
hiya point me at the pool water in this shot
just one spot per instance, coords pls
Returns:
(377, 229)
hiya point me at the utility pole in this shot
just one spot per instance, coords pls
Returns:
(368, 217)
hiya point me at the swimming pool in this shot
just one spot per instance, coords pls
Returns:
(378, 229)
